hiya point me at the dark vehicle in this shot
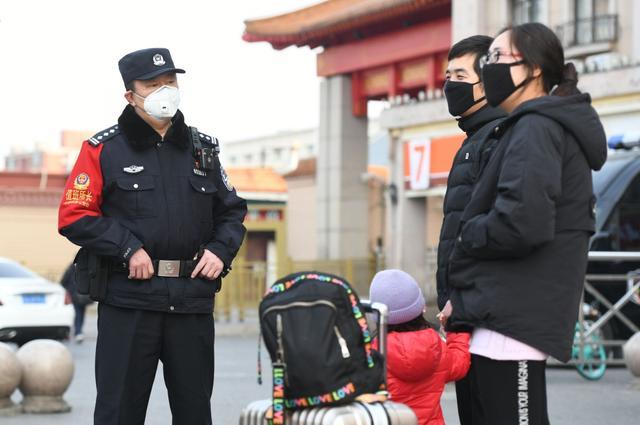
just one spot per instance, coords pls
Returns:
(617, 189)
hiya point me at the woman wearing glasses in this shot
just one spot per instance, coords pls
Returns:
(518, 266)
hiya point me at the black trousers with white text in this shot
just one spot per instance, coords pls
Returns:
(507, 392)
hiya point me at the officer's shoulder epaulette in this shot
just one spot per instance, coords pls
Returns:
(209, 140)
(104, 135)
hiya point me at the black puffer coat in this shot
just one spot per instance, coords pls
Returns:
(462, 176)
(519, 263)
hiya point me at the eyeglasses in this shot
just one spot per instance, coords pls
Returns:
(494, 57)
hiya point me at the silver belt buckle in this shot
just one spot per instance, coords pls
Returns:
(169, 268)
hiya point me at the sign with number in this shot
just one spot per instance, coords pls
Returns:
(418, 163)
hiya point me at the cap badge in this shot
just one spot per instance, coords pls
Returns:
(158, 60)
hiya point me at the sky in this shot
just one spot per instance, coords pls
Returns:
(59, 67)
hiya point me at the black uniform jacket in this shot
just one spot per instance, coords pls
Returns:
(130, 189)
(462, 176)
(519, 263)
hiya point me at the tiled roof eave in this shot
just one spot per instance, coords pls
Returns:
(305, 28)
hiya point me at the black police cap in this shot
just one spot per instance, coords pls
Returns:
(146, 64)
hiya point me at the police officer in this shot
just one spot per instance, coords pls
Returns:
(150, 198)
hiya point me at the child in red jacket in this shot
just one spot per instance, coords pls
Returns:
(419, 362)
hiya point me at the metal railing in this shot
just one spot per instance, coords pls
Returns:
(590, 333)
(597, 29)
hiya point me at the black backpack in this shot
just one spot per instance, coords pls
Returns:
(316, 332)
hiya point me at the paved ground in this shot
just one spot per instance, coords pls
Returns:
(613, 400)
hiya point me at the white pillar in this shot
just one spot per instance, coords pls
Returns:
(407, 221)
(466, 19)
(472, 17)
(342, 209)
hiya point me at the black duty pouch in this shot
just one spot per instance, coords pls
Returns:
(98, 276)
(92, 273)
(81, 270)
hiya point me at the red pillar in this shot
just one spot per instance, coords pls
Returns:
(359, 100)
(431, 72)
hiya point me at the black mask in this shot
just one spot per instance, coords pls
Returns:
(459, 96)
(498, 84)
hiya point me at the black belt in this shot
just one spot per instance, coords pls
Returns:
(174, 268)
(165, 268)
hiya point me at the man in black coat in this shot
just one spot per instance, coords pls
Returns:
(465, 98)
(151, 199)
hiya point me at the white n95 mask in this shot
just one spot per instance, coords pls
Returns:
(162, 103)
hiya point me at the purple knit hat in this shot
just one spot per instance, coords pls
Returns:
(401, 294)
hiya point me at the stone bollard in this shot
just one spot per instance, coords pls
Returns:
(631, 352)
(10, 374)
(47, 370)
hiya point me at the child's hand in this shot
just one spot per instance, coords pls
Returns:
(445, 313)
(372, 398)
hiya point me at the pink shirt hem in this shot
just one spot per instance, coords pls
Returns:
(497, 346)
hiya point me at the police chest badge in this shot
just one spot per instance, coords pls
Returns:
(133, 169)
(81, 181)
(225, 179)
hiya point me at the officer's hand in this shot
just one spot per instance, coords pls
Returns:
(209, 266)
(140, 265)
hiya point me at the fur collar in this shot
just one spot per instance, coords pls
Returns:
(141, 135)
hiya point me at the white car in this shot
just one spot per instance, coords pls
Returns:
(31, 307)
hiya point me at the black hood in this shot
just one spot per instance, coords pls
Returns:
(577, 116)
(141, 135)
(478, 119)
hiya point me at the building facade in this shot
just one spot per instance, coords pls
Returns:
(283, 150)
(302, 210)
(47, 159)
(280, 151)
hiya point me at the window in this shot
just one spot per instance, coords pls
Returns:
(591, 20)
(263, 158)
(523, 11)
(594, 22)
(587, 13)
(585, 9)
(623, 225)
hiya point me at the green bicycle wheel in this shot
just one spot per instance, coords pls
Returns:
(591, 365)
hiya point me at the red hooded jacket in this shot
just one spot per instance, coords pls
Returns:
(419, 364)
